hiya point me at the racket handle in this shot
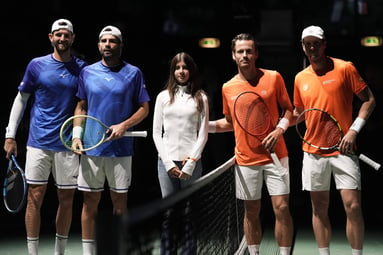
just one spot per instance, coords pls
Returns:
(369, 161)
(275, 159)
(136, 133)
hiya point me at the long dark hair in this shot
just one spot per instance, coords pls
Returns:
(194, 82)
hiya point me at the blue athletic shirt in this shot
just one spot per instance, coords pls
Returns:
(112, 95)
(53, 86)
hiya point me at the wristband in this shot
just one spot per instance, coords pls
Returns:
(186, 159)
(212, 126)
(358, 124)
(284, 124)
(77, 132)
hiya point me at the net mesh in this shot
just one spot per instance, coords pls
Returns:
(206, 218)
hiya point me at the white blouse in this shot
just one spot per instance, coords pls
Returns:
(179, 130)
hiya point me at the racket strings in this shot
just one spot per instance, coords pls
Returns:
(93, 133)
(331, 131)
(323, 130)
(14, 195)
(252, 115)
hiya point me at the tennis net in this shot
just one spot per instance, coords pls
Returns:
(210, 221)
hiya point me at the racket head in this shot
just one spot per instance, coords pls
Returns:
(319, 129)
(15, 187)
(93, 135)
(252, 114)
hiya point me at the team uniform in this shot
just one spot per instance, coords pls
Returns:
(53, 85)
(324, 92)
(253, 161)
(179, 132)
(112, 95)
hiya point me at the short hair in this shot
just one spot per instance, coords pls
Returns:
(243, 36)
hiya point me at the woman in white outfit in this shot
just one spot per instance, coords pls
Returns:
(180, 132)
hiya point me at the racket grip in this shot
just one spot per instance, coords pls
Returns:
(369, 161)
(275, 159)
(136, 133)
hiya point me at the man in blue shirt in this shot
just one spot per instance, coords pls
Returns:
(114, 92)
(51, 81)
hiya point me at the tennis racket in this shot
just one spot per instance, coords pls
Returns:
(323, 124)
(253, 116)
(15, 187)
(94, 132)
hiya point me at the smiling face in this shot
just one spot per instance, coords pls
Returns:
(314, 48)
(62, 39)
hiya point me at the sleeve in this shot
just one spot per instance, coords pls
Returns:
(17, 112)
(157, 132)
(356, 81)
(297, 99)
(202, 138)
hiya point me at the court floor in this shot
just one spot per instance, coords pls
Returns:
(304, 244)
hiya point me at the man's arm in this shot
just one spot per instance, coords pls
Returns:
(221, 125)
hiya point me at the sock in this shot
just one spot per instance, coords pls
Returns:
(253, 249)
(60, 244)
(33, 245)
(324, 251)
(356, 252)
(284, 250)
(88, 247)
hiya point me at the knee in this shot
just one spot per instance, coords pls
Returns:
(282, 211)
(353, 210)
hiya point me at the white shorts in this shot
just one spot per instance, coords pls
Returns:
(249, 180)
(95, 170)
(317, 171)
(64, 166)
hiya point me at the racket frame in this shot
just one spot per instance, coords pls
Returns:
(273, 155)
(362, 157)
(103, 138)
(335, 146)
(13, 166)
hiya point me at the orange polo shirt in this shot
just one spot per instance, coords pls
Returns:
(248, 149)
(332, 92)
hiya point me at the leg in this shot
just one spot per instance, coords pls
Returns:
(120, 202)
(355, 222)
(320, 219)
(89, 214)
(252, 223)
(283, 220)
(36, 195)
(64, 211)
(35, 199)
(63, 219)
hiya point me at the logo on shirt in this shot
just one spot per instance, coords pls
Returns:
(63, 75)
(328, 81)
(305, 87)
(108, 78)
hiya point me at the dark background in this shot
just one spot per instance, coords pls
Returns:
(277, 25)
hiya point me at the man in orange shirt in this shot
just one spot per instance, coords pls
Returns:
(253, 160)
(330, 84)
